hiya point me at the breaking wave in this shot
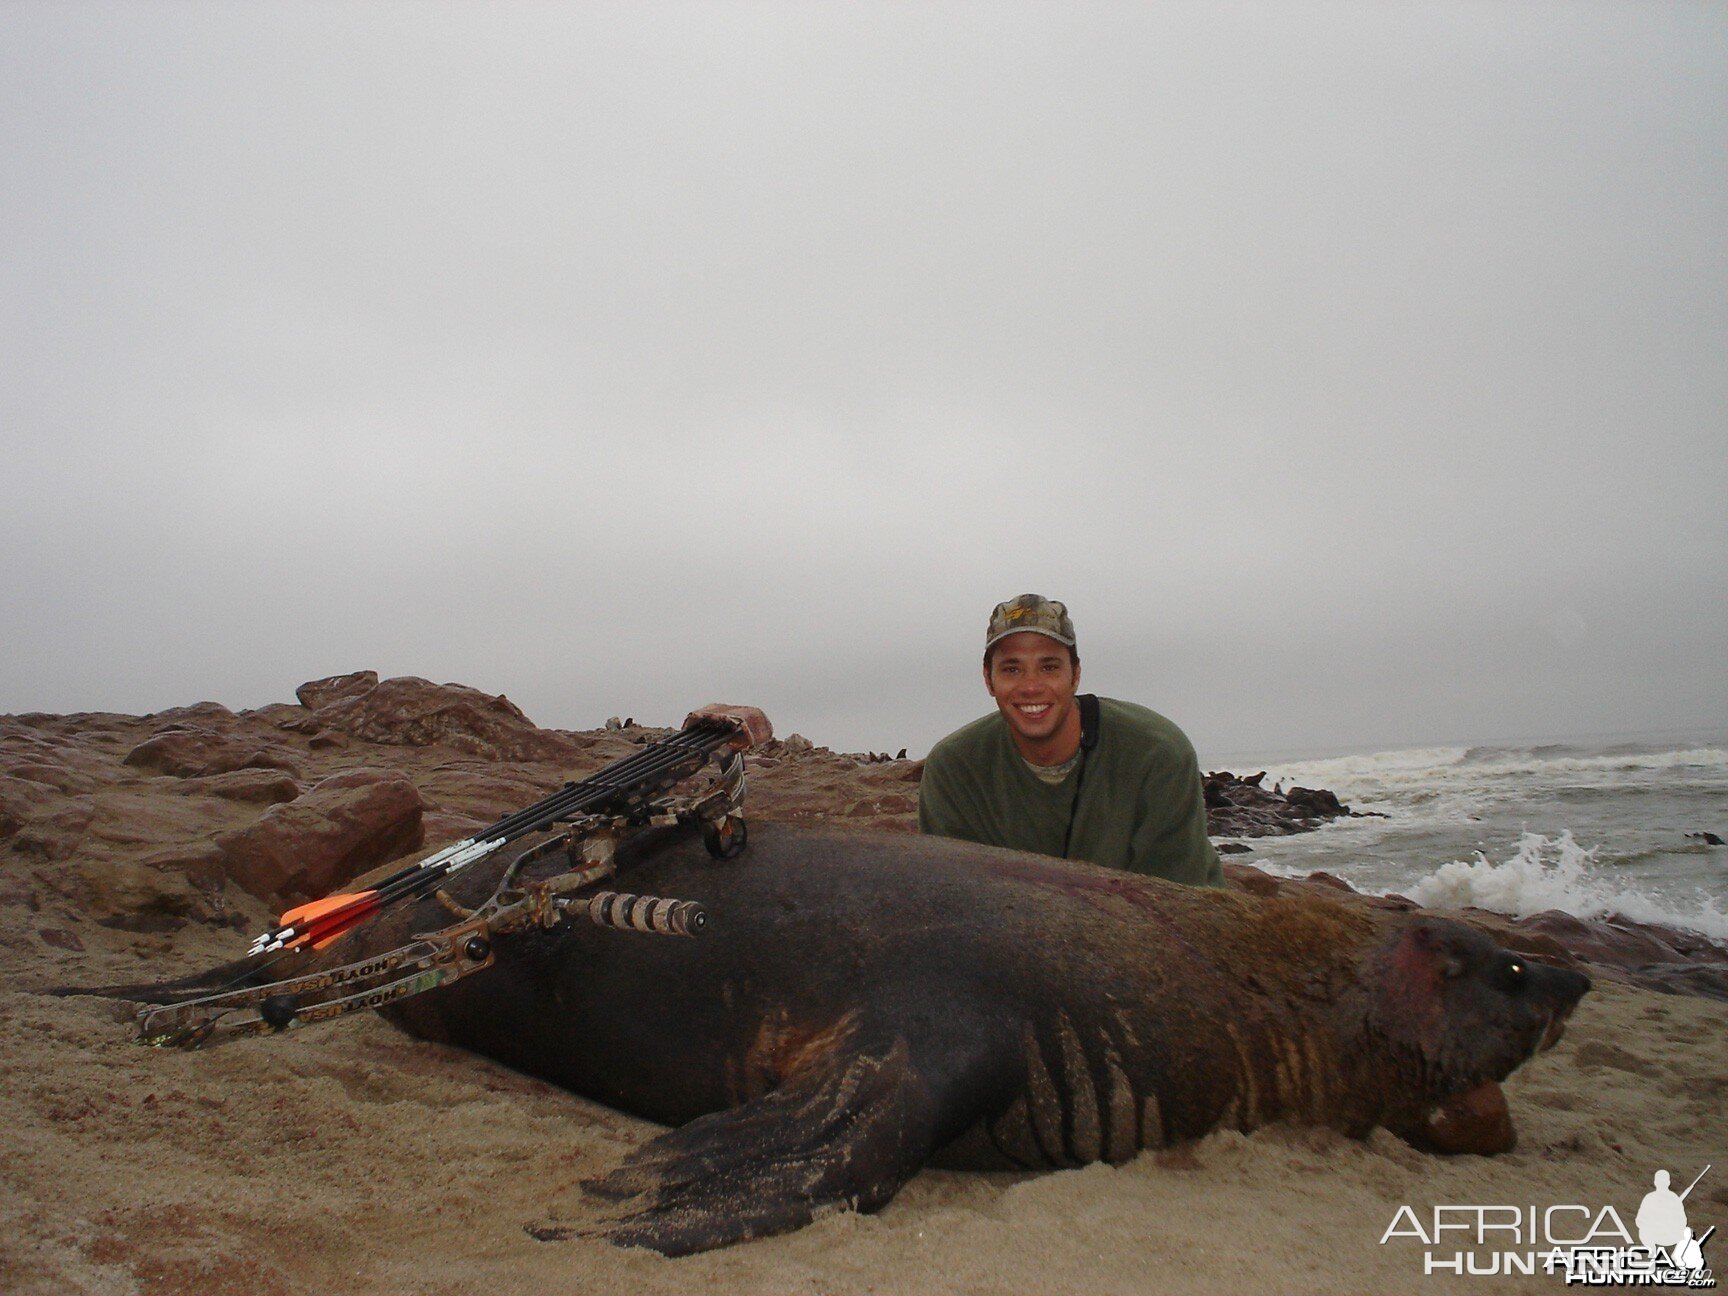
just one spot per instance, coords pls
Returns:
(1460, 783)
(1429, 766)
(1558, 873)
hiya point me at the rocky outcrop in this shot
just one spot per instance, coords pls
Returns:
(412, 712)
(793, 779)
(205, 815)
(1242, 807)
(315, 694)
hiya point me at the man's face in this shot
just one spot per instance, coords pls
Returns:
(1033, 680)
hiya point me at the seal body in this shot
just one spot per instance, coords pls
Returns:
(860, 1002)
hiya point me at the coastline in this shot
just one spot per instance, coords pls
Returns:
(350, 1157)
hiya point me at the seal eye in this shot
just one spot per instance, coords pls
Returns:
(1514, 973)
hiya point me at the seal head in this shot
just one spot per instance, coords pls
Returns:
(1452, 1014)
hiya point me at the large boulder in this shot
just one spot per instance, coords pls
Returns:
(341, 828)
(333, 688)
(412, 712)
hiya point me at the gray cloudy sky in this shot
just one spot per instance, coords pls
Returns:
(1355, 372)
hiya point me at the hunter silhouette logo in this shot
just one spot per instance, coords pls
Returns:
(1587, 1245)
(1662, 1225)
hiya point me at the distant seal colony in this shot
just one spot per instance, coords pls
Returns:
(861, 1002)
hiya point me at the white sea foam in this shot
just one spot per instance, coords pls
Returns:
(1440, 785)
(1429, 767)
(1557, 873)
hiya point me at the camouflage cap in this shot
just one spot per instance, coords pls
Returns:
(1031, 613)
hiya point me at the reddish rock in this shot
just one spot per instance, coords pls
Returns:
(257, 786)
(1602, 939)
(198, 714)
(1245, 877)
(442, 827)
(203, 861)
(21, 800)
(61, 939)
(132, 897)
(57, 777)
(19, 895)
(333, 688)
(193, 751)
(412, 712)
(56, 834)
(307, 848)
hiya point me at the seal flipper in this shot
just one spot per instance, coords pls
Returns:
(844, 1134)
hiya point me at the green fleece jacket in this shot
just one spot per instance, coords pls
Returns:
(1141, 807)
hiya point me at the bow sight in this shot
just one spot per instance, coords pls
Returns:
(596, 813)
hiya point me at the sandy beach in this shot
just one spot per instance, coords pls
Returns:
(352, 1158)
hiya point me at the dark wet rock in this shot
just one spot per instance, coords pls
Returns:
(1241, 807)
(1316, 803)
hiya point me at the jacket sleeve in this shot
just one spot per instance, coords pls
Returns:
(1170, 839)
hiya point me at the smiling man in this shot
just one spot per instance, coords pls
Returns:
(1063, 773)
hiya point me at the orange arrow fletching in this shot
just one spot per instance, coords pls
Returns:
(305, 915)
(321, 932)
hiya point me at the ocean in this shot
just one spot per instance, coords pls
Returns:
(1592, 826)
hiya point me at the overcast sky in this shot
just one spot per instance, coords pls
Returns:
(1357, 373)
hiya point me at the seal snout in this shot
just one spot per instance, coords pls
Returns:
(1565, 988)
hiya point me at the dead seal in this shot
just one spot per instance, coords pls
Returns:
(861, 1002)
